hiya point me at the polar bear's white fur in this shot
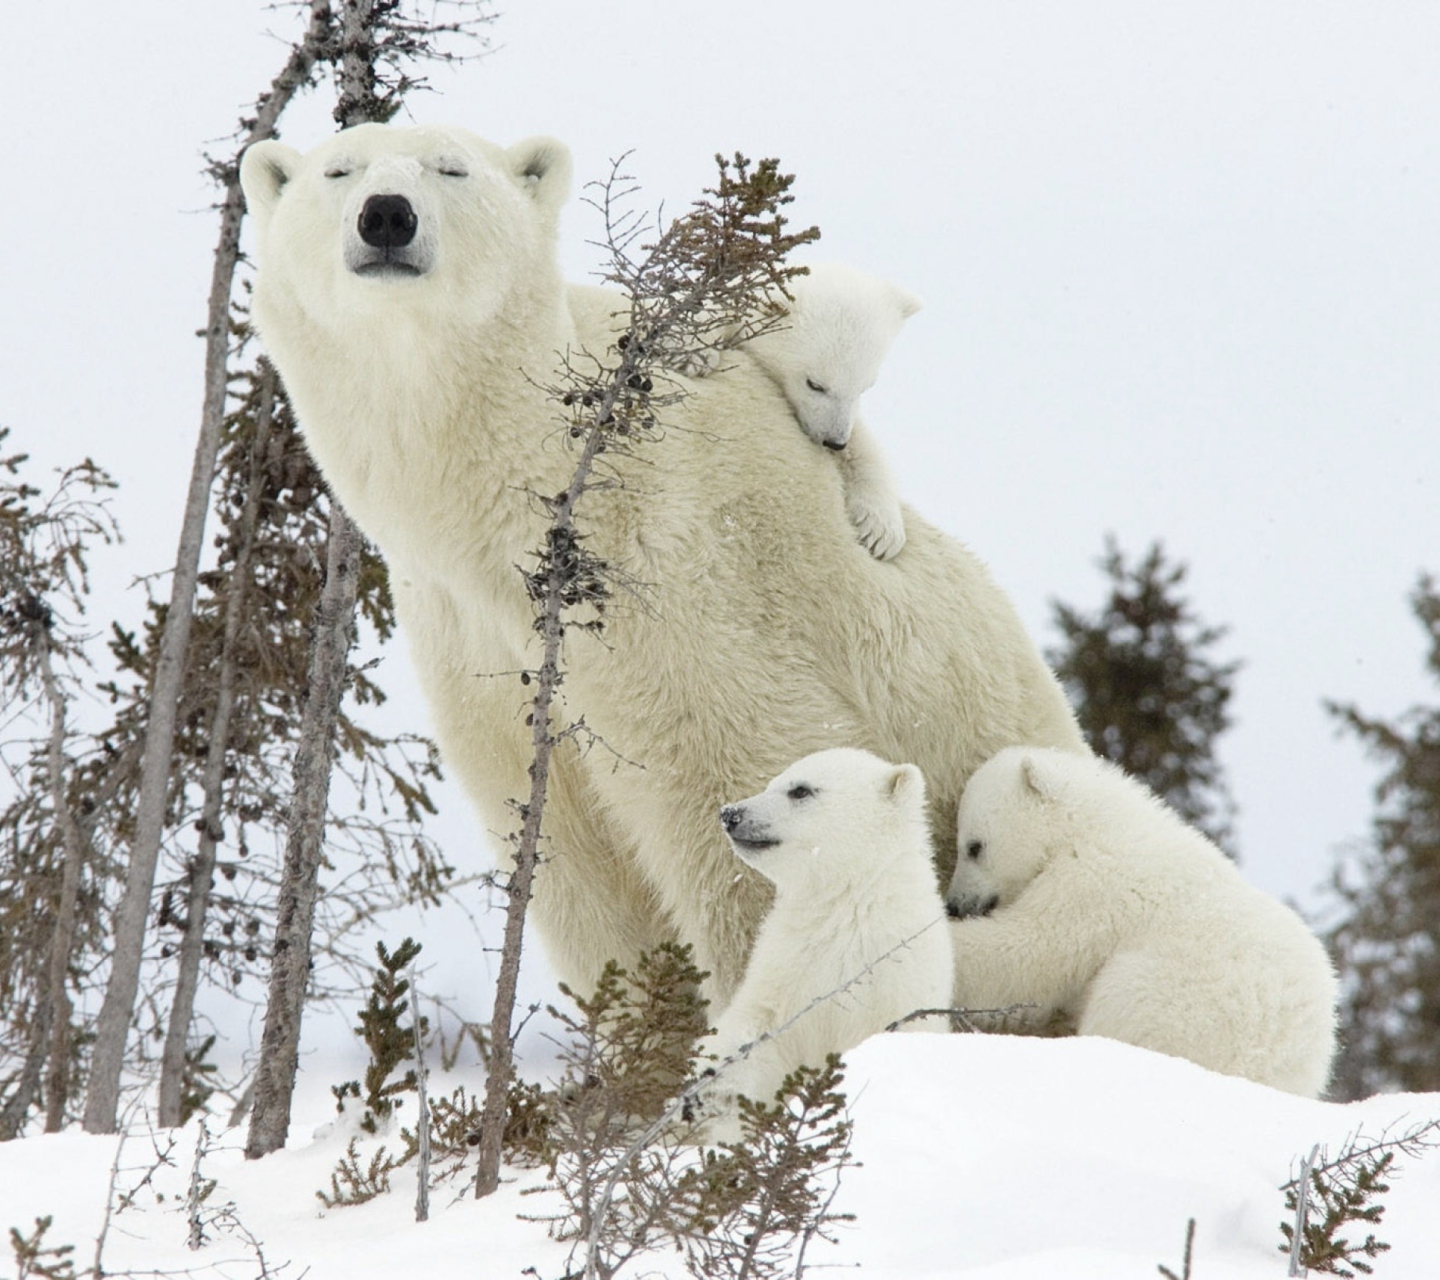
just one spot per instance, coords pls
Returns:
(857, 938)
(408, 290)
(1078, 891)
(825, 354)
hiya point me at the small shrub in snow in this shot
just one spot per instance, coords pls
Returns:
(34, 1258)
(354, 1183)
(1330, 1195)
(390, 1042)
(740, 1213)
(625, 1162)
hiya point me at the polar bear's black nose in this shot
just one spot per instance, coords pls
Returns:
(731, 816)
(388, 222)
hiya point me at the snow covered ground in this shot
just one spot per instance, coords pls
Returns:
(987, 1158)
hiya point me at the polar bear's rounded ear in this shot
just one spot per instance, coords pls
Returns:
(905, 783)
(542, 166)
(265, 168)
(1035, 779)
(905, 301)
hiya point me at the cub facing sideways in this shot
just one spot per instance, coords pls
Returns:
(1080, 892)
(858, 927)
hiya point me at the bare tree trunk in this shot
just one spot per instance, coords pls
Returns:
(27, 1084)
(290, 965)
(521, 883)
(357, 102)
(202, 870)
(62, 942)
(113, 1024)
(48, 1059)
(709, 266)
(422, 1120)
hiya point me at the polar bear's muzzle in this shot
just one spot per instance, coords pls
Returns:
(388, 243)
(746, 833)
(964, 907)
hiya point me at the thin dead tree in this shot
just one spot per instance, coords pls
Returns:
(422, 1120)
(117, 1010)
(702, 285)
(290, 964)
(202, 866)
(372, 36)
(329, 667)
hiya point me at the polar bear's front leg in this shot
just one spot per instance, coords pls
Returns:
(746, 1059)
(1014, 959)
(871, 501)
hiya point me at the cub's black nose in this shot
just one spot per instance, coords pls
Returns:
(730, 816)
(388, 222)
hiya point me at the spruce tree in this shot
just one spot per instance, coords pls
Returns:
(57, 783)
(1145, 688)
(1387, 939)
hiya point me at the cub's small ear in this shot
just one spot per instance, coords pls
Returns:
(542, 166)
(1036, 779)
(265, 168)
(907, 303)
(906, 782)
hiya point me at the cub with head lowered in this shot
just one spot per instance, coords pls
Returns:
(1079, 892)
(824, 354)
(856, 939)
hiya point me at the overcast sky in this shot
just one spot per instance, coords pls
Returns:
(1180, 265)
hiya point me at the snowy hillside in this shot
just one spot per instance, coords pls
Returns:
(986, 1158)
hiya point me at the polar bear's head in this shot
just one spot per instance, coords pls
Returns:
(840, 814)
(378, 223)
(1011, 812)
(828, 350)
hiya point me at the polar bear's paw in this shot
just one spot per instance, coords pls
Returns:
(710, 1115)
(879, 522)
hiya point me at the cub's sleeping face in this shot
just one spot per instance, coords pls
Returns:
(827, 352)
(1005, 811)
(836, 814)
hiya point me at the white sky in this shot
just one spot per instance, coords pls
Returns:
(1179, 262)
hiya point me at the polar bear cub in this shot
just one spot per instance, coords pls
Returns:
(843, 836)
(824, 354)
(1079, 891)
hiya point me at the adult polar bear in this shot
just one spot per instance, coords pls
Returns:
(408, 291)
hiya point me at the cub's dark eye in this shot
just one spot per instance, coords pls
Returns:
(815, 386)
(800, 792)
(453, 171)
(974, 849)
(339, 171)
